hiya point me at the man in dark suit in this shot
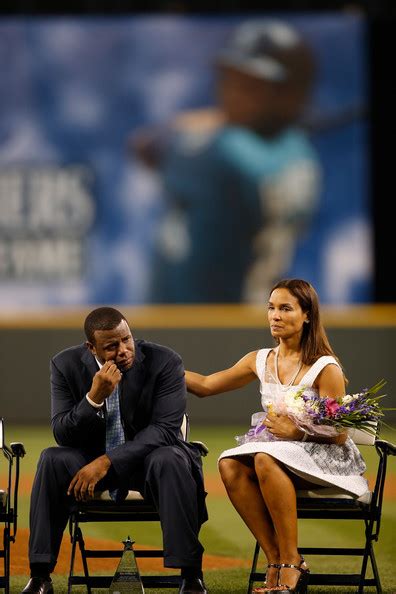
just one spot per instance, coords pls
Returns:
(117, 409)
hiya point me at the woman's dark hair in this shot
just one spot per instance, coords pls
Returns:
(314, 341)
(102, 318)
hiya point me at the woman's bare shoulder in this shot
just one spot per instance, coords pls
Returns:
(249, 358)
(331, 381)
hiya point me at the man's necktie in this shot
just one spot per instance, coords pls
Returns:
(114, 431)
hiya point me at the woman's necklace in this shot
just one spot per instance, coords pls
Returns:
(291, 382)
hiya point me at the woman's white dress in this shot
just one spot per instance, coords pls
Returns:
(327, 465)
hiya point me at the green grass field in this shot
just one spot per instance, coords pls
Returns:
(224, 536)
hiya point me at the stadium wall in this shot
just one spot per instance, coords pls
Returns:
(208, 338)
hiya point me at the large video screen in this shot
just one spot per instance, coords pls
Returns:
(183, 159)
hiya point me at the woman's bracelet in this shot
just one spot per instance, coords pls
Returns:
(304, 437)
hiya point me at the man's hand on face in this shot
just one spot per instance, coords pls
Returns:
(84, 482)
(104, 382)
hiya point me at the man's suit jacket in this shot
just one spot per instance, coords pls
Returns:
(152, 404)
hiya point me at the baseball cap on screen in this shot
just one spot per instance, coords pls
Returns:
(270, 49)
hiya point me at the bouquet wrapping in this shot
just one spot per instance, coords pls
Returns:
(317, 415)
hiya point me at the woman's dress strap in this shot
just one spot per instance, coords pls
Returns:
(317, 367)
(261, 359)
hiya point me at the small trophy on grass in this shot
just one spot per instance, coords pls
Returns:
(127, 579)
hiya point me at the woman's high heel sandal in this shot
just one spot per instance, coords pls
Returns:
(265, 588)
(302, 583)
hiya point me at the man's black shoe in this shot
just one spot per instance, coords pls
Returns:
(192, 586)
(38, 585)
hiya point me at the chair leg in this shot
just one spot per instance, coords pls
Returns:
(254, 567)
(6, 545)
(363, 572)
(84, 559)
(72, 557)
(368, 554)
(77, 538)
(375, 570)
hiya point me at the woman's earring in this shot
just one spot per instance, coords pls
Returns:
(306, 321)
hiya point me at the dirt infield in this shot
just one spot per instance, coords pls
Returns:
(20, 564)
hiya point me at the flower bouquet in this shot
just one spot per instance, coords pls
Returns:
(317, 415)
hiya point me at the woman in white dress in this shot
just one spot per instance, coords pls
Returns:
(261, 477)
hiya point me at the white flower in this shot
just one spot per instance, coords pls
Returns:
(294, 403)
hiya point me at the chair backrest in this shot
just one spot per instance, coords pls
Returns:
(361, 437)
(1, 433)
(3, 446)
(185, 427)
(3, 494)
(12, 453)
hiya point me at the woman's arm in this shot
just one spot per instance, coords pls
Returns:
(331, 383)
(240, 374)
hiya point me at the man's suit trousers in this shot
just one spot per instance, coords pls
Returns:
(167, 481)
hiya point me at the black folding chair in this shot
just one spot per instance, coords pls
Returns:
(9, 503)
(330, 504)
(103, 509)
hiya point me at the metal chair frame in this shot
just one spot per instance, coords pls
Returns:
(334, 508)
(132, 510)
(9, 504)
